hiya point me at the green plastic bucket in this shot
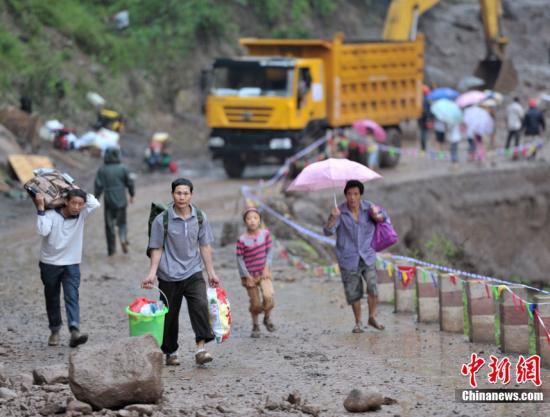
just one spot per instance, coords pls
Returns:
(141, 324)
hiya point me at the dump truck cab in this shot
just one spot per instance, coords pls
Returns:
(284, 93)
(259, 109)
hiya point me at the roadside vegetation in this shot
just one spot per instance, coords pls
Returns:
(48, 46)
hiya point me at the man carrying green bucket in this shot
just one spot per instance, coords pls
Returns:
(179, 238)
(147, 323)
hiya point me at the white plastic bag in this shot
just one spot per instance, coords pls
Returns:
(220, 313)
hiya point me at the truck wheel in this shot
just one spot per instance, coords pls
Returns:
(234, 166)
(390, 159)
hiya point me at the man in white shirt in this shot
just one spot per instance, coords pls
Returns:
(62, 231)
(514, 119)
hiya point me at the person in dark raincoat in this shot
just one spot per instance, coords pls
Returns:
(534, 126)
(112, 179)
(533, 121)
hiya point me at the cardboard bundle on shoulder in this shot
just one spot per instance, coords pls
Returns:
(53, 184)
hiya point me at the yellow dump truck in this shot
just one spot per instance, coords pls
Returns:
(265, 106)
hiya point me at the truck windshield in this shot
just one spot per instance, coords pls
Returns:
(252, 81)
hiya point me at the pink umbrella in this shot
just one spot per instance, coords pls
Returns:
(331, 173)
(362, 127)
(470, 98)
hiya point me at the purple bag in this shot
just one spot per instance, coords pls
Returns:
(384, 235)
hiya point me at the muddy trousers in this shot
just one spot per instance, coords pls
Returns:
(53, 277)
(258, 305)
(194, 291)
(115, 217)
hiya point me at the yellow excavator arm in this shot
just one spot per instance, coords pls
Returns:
(402, 18)
(496, 70)
(491, 15)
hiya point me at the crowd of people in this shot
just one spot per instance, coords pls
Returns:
(529, 123)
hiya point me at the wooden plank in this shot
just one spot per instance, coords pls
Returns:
(23, 165)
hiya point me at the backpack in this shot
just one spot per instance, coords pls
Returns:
(158, 208)
(53, 184)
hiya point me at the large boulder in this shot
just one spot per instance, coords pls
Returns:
(113, 375)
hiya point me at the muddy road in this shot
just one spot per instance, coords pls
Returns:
(313, 350)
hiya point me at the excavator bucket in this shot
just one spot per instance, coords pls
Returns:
(499, 75)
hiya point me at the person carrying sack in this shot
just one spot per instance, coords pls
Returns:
(62, 231)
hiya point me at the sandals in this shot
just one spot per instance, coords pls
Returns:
(255, 332)
(269, 325)
(372, 322)
(375, 324)
(202, 357)
(172, 360)
(358, 328)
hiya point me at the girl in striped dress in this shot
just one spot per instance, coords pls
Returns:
(254, 255)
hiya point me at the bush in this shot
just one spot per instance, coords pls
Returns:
(160, 35)
(11, 57)
(10, 48)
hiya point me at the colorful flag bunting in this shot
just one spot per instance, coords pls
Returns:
(434, 279)
(515, 300)
(530, 313)
(452, 277)
(424, 275)
(405, 278)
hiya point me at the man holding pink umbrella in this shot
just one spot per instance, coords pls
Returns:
(354, 224)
